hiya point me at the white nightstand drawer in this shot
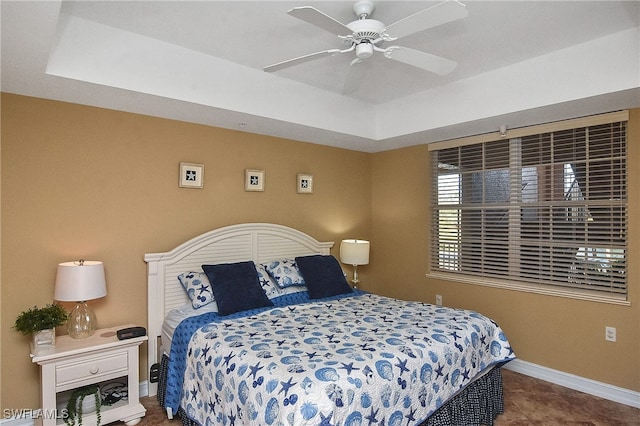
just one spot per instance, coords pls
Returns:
(97, 366)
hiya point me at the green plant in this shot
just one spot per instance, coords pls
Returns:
(73, 413)
(36, 319)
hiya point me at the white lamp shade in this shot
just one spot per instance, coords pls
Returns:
(354, 252)
(80, 281)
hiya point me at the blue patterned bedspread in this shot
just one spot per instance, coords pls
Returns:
(357, 360)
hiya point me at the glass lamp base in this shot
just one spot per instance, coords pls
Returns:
(82, 321)
(355, 279)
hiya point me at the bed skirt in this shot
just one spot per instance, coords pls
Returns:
(476, 405)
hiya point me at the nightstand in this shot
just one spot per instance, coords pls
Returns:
(100, 358)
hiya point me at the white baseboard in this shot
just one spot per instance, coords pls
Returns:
(592, 387)
(28, 418)
(144, 389)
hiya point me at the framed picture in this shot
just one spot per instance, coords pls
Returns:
(305, 184)
(254, 180)
(191, 175)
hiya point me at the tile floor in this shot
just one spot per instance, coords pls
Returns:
(529, 401)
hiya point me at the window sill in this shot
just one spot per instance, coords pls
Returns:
(543, 289)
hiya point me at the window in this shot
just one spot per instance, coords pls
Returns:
(541, 212)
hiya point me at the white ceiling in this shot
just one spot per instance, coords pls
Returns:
(519, 63)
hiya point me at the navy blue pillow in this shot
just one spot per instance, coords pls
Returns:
(323, 275)
(236, 287)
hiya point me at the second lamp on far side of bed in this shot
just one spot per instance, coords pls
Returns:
(354, 252)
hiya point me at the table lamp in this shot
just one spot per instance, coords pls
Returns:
(80, 281)
(354, 252)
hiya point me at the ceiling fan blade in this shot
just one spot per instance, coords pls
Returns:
(355, 76)
(301, 59)
(441, 13)
(422, 60)
(321, 20)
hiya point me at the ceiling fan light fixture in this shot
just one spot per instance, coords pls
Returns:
(364, 50)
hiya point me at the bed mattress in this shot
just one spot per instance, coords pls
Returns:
(175, 317)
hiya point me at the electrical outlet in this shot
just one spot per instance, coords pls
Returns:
(439, 299)
(610, 334)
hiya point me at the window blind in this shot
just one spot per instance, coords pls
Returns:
(545, 209)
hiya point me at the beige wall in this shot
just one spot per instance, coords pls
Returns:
(81, 182)
(559, 333)
(99, 184)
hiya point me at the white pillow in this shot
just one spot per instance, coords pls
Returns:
(198, 288)
(285, 272)
(271, 288)
(266, 282)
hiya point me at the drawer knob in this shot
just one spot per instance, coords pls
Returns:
(94, 369)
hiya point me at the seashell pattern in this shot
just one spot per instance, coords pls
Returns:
(346, 360)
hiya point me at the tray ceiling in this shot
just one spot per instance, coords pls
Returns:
(519, 63)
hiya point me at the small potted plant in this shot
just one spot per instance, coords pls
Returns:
(83, 400)
(41, 323)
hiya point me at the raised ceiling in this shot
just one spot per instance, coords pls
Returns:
(519, 63)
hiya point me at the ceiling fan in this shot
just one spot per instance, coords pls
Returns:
(365, 36)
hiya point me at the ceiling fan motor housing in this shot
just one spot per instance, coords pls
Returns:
(366, 30)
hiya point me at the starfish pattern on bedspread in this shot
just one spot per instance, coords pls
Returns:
(325, 362)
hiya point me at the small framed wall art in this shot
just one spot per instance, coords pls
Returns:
(254, 180)
(305, 183)
(191, 175)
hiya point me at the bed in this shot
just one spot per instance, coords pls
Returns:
(304, 348)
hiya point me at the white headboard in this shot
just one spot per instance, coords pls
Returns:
(259, 242)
